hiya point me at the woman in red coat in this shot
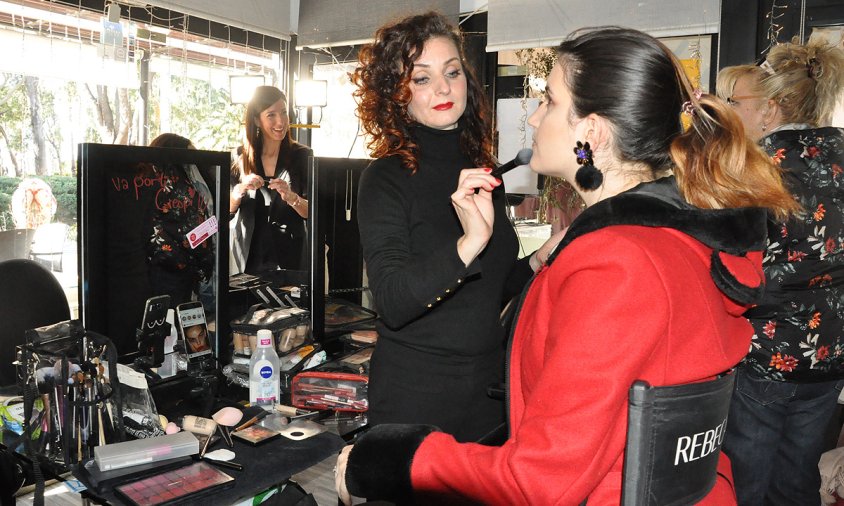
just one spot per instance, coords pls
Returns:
(650, 282)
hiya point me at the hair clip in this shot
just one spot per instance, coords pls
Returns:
(810, 67)
(688, 105)
(767, 67)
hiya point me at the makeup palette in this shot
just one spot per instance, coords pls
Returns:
(175, 486)
(255, 434)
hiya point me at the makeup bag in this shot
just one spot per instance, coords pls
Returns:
(338, 391)
(341, 384)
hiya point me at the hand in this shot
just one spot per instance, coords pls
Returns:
(541, 255)
(473, 203)
(283, 189)
(249, 182)
(340, 476)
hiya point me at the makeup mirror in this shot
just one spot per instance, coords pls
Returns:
(125, 192)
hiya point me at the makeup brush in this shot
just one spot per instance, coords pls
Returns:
(227, 418)
(522, 158)
(223, 463)
(252, 421)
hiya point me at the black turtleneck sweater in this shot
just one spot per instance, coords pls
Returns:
(426, 298)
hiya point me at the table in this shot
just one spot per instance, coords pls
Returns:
(264, 466)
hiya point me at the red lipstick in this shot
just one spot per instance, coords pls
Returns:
(445, 106)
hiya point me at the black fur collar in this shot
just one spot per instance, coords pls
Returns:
(658, 204)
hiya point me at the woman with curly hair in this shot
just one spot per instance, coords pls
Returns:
(438, 288)
(649, 282)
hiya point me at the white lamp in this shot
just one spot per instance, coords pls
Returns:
(308, 93)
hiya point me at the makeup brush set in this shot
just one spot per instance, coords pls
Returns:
(62, 371)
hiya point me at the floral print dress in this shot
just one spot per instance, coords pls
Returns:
(182, 203)
(799, 325)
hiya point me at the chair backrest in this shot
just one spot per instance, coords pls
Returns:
(30, 297)
(15, 243)
(48, 245)
(674, 436)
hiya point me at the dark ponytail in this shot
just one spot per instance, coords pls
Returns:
(632, 80)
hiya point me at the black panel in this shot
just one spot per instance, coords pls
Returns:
(740, 25)
(333, 222)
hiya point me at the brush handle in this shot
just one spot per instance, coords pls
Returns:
(224, 463)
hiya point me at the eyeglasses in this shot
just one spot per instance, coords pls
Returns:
(733, 100)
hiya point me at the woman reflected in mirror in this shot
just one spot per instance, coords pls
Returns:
(183, 203)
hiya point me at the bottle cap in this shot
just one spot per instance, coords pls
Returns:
(265, 338)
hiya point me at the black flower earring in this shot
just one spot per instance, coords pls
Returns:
(588, 177)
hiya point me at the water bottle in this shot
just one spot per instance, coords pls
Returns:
(263, 372)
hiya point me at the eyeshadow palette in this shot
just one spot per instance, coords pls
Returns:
(255, 434)
(175, 486)
(103, 481)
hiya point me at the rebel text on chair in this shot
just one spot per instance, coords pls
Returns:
(674, 436)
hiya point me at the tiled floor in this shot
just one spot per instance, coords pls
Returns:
(319, 481)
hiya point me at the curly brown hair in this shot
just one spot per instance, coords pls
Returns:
(383, 94)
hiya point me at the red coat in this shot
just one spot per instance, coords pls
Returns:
(617, 304)
(654, 315)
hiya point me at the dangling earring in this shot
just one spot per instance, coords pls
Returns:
(588, 177)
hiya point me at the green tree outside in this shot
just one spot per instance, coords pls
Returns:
(205, 115)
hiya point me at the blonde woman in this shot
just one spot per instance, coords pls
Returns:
(787, 387)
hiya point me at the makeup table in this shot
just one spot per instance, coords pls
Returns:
(265, 466)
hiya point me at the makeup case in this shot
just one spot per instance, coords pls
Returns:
(339, 391)
(104, 481)
(340, 385)
(289, 326)
(343, 314)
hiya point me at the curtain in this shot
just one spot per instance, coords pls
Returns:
(325, 23)
(277, 18)
(517, 24)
